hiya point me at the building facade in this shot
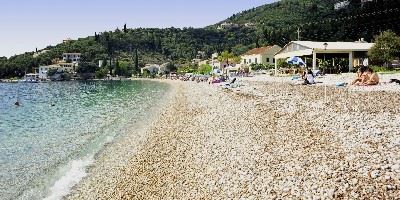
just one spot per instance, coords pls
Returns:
(263, 55)
(71, 57)
(43, 70)
(152, 68)
(355, 52)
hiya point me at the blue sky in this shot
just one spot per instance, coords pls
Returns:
(27, 24)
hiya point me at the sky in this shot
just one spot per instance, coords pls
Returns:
(29, 24)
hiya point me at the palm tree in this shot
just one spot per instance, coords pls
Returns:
(228, 57)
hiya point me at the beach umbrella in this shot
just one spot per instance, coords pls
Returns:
(295, 61)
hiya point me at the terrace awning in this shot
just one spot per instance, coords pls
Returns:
(298, 53)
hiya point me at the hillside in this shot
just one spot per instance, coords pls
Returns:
(275, 23)
(319, 21)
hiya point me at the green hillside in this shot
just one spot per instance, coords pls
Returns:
(318, 20)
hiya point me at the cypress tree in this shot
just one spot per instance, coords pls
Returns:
(137, 71)
(125, 29)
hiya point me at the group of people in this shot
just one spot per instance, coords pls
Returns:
(366, 76)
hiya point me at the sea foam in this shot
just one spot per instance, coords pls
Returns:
(73, 173)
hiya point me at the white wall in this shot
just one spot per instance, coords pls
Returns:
(44, 69)
(261, 59)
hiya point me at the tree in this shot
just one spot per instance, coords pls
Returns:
(186, 69)
(282, 63)
(170, 67)
(121, 68)
(125, 29)
(228, 57)
(51, 72)
(101, 73)
(136, 66)
(86, 67)
(386, 48)
(96, 37)
(204, 69)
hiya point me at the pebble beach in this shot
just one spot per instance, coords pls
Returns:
(263, 140)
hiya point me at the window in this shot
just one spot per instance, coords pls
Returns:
(255, 60)
(249, 60)
(273, 60)
(244, 61)
(267, 59)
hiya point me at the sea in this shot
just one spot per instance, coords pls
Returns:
(50, 139)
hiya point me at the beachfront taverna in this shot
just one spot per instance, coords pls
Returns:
(355, 52)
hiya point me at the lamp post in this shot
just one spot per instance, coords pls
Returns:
(325, 45)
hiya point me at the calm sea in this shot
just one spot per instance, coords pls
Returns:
(48, 141)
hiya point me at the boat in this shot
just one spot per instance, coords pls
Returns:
(30, 78)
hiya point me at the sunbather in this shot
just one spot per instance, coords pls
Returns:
(373, 78)
(361, 76)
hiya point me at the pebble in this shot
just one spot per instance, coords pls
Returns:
(375, 174)
(354, 181)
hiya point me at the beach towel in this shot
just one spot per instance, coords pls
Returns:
(341, 84)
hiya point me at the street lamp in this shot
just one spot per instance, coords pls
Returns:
(325, 45)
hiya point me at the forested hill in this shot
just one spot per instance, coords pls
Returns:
(275, 23)
(319, 21)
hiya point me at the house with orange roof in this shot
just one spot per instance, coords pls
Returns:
(262, 55)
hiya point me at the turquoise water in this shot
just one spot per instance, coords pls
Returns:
(60, 126)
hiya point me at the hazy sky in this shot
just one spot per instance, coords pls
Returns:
(27, 24)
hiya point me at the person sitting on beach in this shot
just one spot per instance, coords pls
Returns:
(308, 77)
(361, 76)
(373, 78)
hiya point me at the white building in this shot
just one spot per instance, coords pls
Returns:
(249, 24)
(214, 61)
(37, 54)
(69, 67)
(341, 4)
(73, 57)
(263, 55)
(152, 68)
(43, 70)
(355, 52)
(226, 25)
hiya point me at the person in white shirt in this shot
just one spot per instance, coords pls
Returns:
(308, 77)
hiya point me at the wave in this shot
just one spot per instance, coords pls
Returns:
(74, 172)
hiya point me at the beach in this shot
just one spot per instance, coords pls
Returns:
(263, 140)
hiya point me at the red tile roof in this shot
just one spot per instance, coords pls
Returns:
(260, 50)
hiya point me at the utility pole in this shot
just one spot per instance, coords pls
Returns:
(298, 34)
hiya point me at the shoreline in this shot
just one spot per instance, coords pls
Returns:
(66, 177)
(102, 160)
(211, 142)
